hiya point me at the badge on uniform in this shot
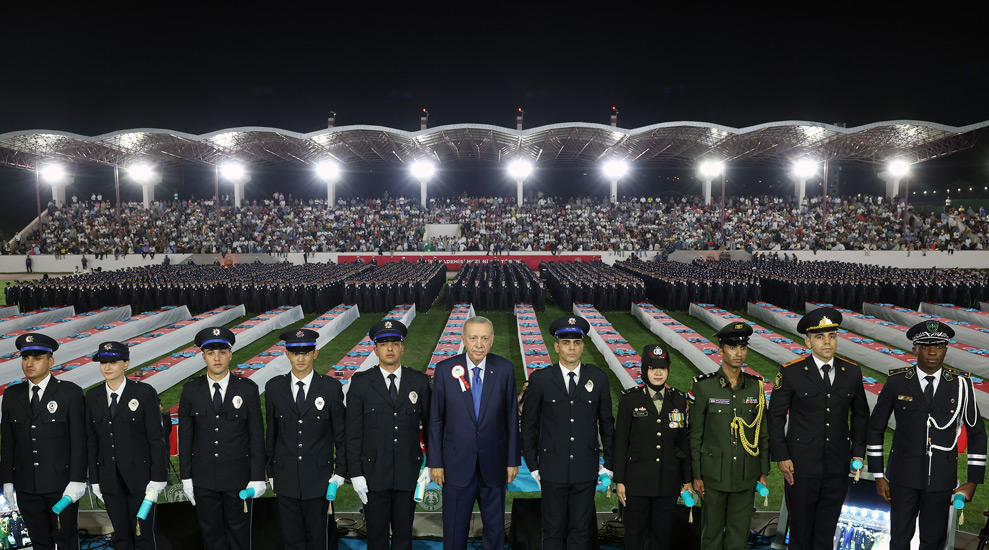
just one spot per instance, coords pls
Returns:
(751, 400)
(238, 401)
(589, 385)
(413, 397)
(905, 397)
(677, 419)
(52, 407)
(717, 401)
(458, 372)
(320, 403)
(639, 412)
(779, 379)
(133, 404)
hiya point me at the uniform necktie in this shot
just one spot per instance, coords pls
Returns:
(929, 389)
(300, 396)
(217, 398)
(572, 387)
(36, 400)
(827, 378)
(113, 404)
(392, 389)
(475, 391)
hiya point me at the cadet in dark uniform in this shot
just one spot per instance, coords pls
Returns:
(128, 454)
(221, 444)
(43, 446)
(930, 402)
(817, 395)
(387, 408)
(729, 443)
(567, 411)
(652, 453)
(305, 446)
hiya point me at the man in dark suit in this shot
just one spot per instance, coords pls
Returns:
(221, 444)
(823, 399)
(567, 412)
(43, 446)
(387, 413)
(649, 491)
(930, 401)
(305, 446)
(474, 436)
(128, 454)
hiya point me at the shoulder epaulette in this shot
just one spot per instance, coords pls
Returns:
(788, 363)
(681, 393)
(847, 361)
(957, 372)
(751, 375)
(901, 370)
(704, 376)
(632, 390)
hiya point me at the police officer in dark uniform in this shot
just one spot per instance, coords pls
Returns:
(128, 454)
(728, 458)
(652, 453)
(305, 446)
(43, 446)
(567, 412)
(387, 407)
(823, 399)
(221, 444)
(930, 402)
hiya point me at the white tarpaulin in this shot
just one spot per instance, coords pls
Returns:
(23, 321)
(74, 325)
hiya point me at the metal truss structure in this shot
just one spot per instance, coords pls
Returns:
(573, 144)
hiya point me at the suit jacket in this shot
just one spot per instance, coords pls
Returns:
(909, 465)
(820, 439)
(383, 437)
(221, 451)
(301, 444)
(652, 448)
(131, 443)
(42, 453)
(459, 442)
(559, 434)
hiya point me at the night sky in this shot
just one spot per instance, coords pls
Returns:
(288, 67)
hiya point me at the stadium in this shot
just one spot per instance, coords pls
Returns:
(662, 233)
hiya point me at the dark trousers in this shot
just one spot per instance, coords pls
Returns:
(49, 530)
(648, 522)
(304, 522)
(726, 519)
(384, 508)
(458, 504)
(222, 519)
(567, 509)
(906, 504)
(813, 505)
(122, 509)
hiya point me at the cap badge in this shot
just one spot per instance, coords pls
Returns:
(299, 334)
(933, 326)
(107, 346)
(738, 326)
(572, 321)
(656, 351)
(29, 339)
(387, 324)
(216, 332)
(824, 321)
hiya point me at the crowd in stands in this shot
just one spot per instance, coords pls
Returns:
(499, 225)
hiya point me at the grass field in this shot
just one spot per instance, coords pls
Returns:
(427, 328)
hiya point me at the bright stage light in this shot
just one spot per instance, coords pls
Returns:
(423, 170)
(899, 168)
(712, 168)
(53, 173)
(615, 169)
(233, 171)
(140, 172)
(804, 168)
(328, 171)
(520, 169)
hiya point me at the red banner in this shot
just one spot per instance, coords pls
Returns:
(455, 261)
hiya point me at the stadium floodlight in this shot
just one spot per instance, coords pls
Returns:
(233, 171)
(140, 172)
(328, 171)
(53, 173)
(423, 170)
(615, 169)
(712, 168)
(804, 168)
(520, 169)
(899, 168)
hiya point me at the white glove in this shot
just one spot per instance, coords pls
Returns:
(338, 480)
(95, 489)
(8, 494)
(360, 487)
(187, 488)
(156, 486)
(271, 483)
(74, 490)
(535, 476)
(259, 488)
(423, 476)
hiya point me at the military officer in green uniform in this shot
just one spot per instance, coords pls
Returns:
(729, 442)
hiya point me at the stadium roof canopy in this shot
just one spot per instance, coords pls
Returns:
(574, 144)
